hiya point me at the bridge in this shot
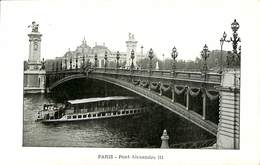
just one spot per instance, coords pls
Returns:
(154, 86)
(216, 95)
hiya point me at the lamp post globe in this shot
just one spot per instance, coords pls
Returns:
(150, 55)
(205, 54)
(236, 61)
(174, 55)
(235, 26)
(224, 36)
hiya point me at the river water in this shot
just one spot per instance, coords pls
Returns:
(141, 131)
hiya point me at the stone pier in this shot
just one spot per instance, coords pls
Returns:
(34, 74)
(228, 136)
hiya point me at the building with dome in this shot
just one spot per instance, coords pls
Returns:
(83, 53)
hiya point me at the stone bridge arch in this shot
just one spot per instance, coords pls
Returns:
(150, 95)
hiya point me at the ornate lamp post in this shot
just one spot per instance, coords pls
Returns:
(96, 60)
(174, 56)
(235, 26)
(76, 61)
(117, 60)
(163, 62)
(132, 58)
(105, 60)
(150, 57)
(222, 40)
(70, 63)
(205, 55)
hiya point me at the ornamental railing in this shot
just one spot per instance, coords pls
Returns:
(186, 75)
(179, 75)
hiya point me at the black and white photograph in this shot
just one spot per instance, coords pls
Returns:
(131, 81)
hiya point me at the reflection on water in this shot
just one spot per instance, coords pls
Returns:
(141, 131)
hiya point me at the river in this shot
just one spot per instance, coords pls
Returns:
(143, 131)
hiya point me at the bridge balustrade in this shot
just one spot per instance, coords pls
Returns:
(214, 77)
(183, 75)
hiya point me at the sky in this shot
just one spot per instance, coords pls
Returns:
(157, 24)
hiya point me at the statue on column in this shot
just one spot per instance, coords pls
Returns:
(129, 36)
(133, 37)
(34, 26)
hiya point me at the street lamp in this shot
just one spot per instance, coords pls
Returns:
(222, 40)
(235, 26)
(117, 60)
(132, 58)
(70, 63)
(96, 60)
(150, 57)
(174, 56)
(76, 61)
(105, 60)
(163, 62)
(205, 55)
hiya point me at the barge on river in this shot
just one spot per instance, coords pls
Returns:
(91, 108)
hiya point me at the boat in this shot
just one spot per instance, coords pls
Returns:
(91, 108)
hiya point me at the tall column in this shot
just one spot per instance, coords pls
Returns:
(35, 74)
(131, 44)
(204, 99)
(187, 98)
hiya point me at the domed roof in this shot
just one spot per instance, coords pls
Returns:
(100, 49)
(68, 53)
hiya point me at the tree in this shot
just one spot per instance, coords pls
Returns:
(145, 63)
